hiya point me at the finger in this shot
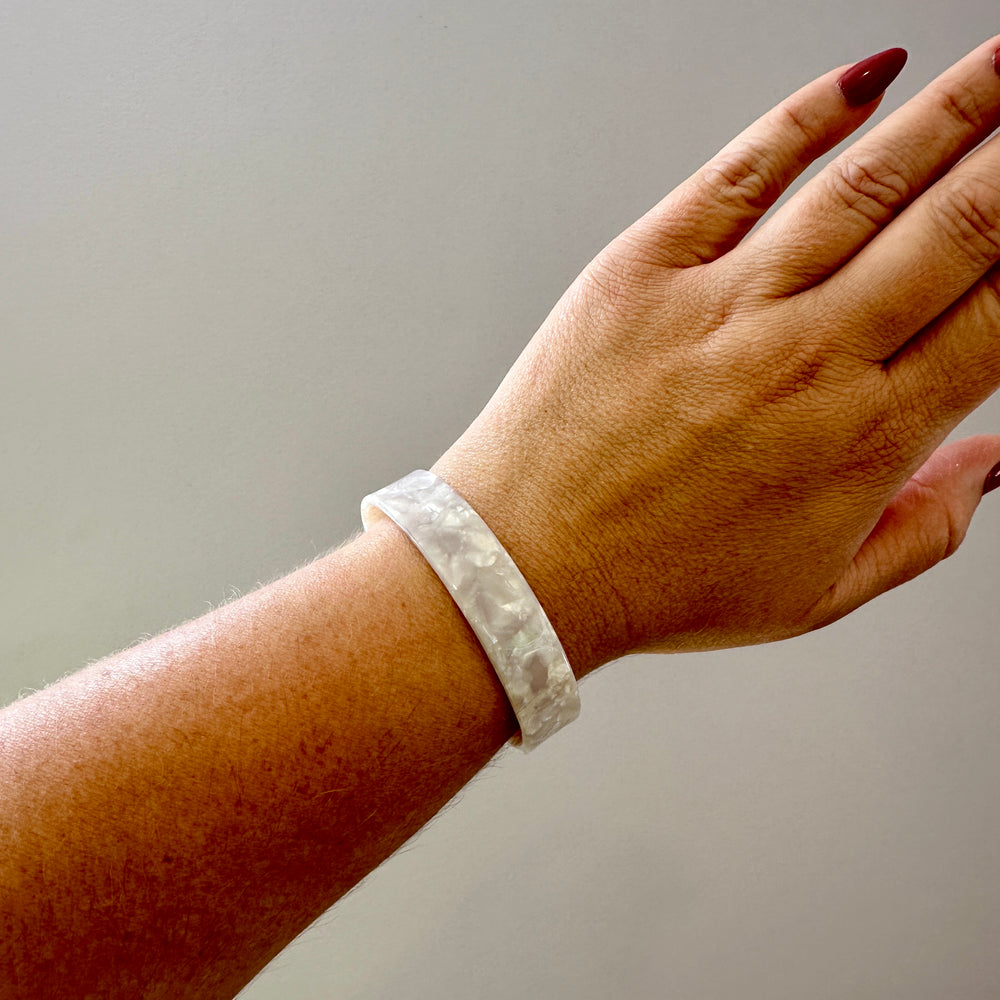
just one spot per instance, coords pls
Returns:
(713, 210)
(865, 187)
(954, 365)
(921, 264)
(925, 523)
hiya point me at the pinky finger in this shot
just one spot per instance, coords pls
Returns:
(925, 523)
(710, 212)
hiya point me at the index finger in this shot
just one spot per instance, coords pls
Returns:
(709, 213)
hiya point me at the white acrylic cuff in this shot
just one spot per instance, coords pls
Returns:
(492, 594)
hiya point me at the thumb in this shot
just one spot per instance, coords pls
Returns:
(924, 523)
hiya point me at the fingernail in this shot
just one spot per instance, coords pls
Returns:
(992, 480)
(996, 62)
(866, 80)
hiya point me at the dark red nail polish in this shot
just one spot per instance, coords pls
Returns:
(992, 480)
(866, 80)
(996, 62)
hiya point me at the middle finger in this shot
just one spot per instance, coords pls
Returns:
(871, 182)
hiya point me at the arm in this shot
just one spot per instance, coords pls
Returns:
(714, 439)
(172, 816)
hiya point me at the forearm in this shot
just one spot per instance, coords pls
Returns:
(172, 816)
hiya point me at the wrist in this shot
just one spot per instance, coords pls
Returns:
(550, 552)
(441, 645)
(492, 594)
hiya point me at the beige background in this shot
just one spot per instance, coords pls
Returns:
(259, 258)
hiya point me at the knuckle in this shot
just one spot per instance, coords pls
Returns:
(874, 187)
(808, 130)
(866, 429)
(963, 106)
(875, 449)
(795, 380)
(951, 533)
(972, 223)
(798, 371)
(606, 288)
(944, 531)
(749, 175)
(617, 285)
(745, 179)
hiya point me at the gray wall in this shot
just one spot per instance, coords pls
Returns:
(260, 258)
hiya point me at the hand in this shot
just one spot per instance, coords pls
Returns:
(718, 438)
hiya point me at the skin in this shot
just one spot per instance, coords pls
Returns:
(717, 438)
(714, 439)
